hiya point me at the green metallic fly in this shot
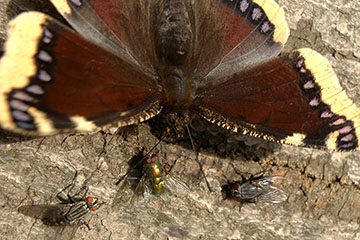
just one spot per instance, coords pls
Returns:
(154, 179)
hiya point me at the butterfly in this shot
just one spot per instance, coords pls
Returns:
(129, 60)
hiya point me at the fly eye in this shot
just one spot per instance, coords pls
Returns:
(94, 208)
(236, 187)
(154, 158)
(90, 199)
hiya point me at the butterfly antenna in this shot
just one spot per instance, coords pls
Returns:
(197, 157)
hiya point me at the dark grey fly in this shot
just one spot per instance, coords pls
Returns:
(264, 189)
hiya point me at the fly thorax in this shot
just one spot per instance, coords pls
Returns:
(153, 170)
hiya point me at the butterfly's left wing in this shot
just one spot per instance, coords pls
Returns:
(52, 80)
(121, 26)
(294, 99)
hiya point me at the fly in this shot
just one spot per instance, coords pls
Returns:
(262, 189)
(65, 217)
(63, 213)
(154, 179)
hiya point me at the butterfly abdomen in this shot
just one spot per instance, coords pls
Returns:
(173, 35)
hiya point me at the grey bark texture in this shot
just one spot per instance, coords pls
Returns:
(323, 187)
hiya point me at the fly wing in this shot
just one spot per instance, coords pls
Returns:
(271, 191)
(269, 181)
(142, 190)
(272, 194)
(173, 184)
(51, 215)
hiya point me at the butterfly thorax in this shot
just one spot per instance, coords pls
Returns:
(173, 39)
(178, 90)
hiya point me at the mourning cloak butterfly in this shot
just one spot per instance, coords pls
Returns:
(216, 58)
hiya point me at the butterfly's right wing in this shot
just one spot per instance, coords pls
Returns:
(235, 35)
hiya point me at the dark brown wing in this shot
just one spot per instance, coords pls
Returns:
(121, 26)
(61, 81)
(295, 100)
(234, 35)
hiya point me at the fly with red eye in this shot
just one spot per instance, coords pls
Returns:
(66, 216)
